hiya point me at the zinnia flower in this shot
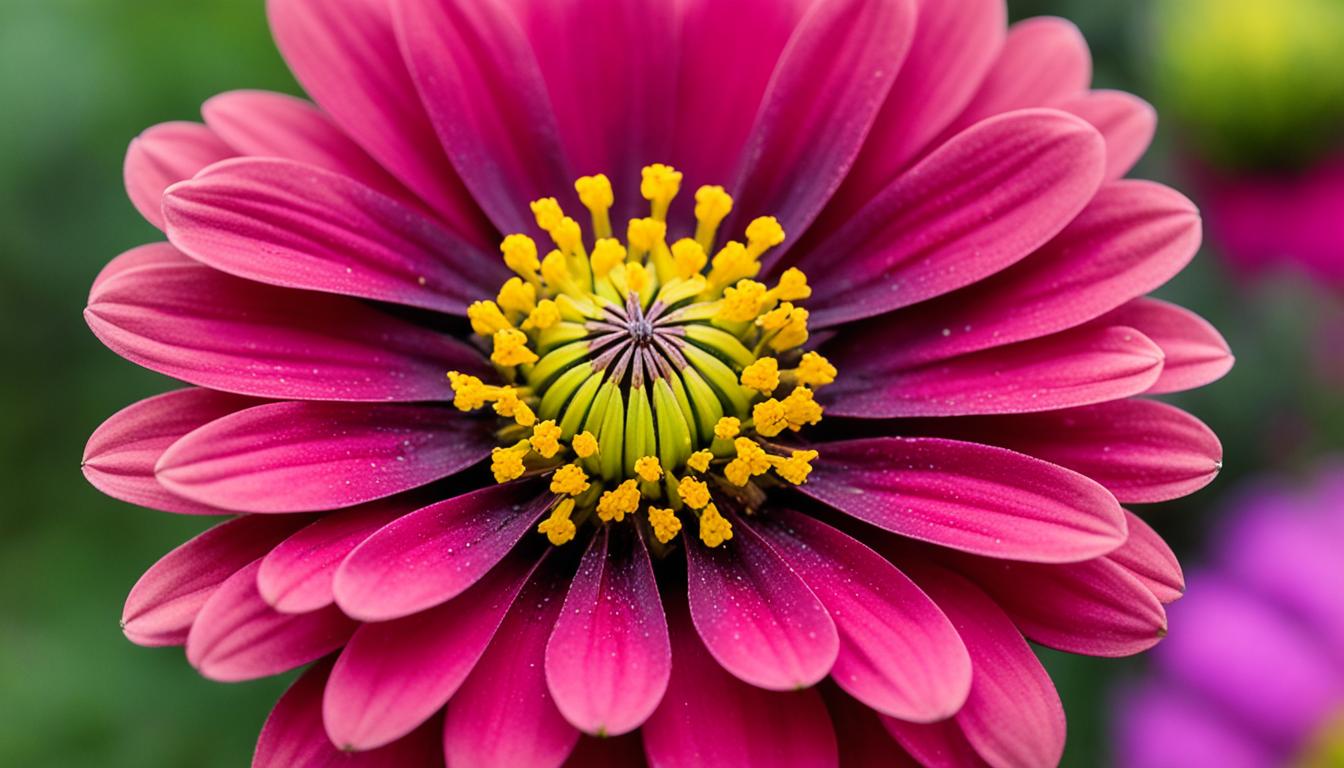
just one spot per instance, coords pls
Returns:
(1253, 675)
(512, 356)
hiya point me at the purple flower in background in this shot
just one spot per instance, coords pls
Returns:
(1252, 674)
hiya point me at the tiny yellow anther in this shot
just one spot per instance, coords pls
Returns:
(699, 461)
(637, 278)
(547, 212)
(644, 235)
(648, 469)
(619, 502)
(555, 270)
(659, 184)
(793, 333)
(762, 375)
(714, 528)
(776, 318)
(511, 348)
(801, 408)
(694, 492)
(468, 391)
(517, 296)
(741, 302)
(712, 206)
(732, 263)
(559, 529)
(584, 444)
(508, 405)
(545, 315)
(688, 258)
(507, 463)
(608, 253)
(569, 480)
(568, 236)
(486, 318)
(753, 454)
(520, 255)
(815, 370)
(769, 418)
(763, 233)
(595, 194)
(727, 427)
(796, 467)
(792, 286)
(545, 438)
(665, 524)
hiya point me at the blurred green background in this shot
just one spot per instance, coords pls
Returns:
(80, 78)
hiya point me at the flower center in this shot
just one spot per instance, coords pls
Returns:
(643, 374)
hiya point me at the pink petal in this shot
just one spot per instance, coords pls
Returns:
(1141, 450)
(935, 745)
(392, 676)
(898, 653)
(297, 576)
(977, 204)
(484, 93)
(1195, 352)
(141, 256)
(503, 714)
(293, 735)
(200, 325)
(710, 719)
(347, 57)
(975, 498)
(608, 661)
(268, 124)
(1148, 558)
(309, 456)
(164, 602)
(1013, 717)
(237, 636)
(756, 616)
(1129, 240)
(120, 456)
(1124, 120)
(164, 155)
(297, 226)
(862, 739)
(826, 90)
(616, 752)
(1044, 61)
(1080, 366)
(435, 553)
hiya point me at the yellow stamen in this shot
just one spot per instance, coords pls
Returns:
(511, 348)
(559, 529)
(699, 461)
(694, 492)
(762, 375)
(732, 263)
(659, 184)
(794, 333)
(742, 302)
(545, 439)
(644, 235)
(776, 318)
(768, 415)
(801, 408)
(712, 206)
(507, 463)
(510, 406)
(665, 524)
(468, 391)
(815, 370)
(763, 233)
(607, 255)
(616, 504)
(648, 468)
(595, 194)
(792, 286)
(714, 528)
(569, 480)
(688, 258)
(520, 255)
(486, 318)
(584, 444)
(796, 467)
(548, 213)
(545, 315)
(568, 236)
(637, 278)
(517, 296)
(555, 271)
(727, 428)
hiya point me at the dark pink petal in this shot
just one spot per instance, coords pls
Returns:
(860, 736)
(310, 456)
(1080, 366)
(298, 226)
(710, 719)
(977, 204)
(971, 497)
(164, 155)
(1125, 121)
(120, 456)
(827, 88)
(200, 325)
(1148, 558)
(293, 735)
(608, 661)
(1130, 239)
(1141, 450)
(1043, 62)
(392, 676)
(347, 58)
(483, 90)
(756, 616)
(296, 576)
(1013, 717)
(164, 602)
(237, 636)
(435, 553)
(503, 714)
(1095, 608)
(615, 752)
(936, 745)
(268, 124)
(147, 255)
(1195, 352)
(898, 653)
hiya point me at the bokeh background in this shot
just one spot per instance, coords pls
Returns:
(80, 78)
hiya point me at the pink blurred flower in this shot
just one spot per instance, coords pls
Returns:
(977, 268)
(1253, 673)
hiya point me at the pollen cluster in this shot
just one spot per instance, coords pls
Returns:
(648, 380)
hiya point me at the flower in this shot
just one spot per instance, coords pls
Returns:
(565, 238)
(1252, 674)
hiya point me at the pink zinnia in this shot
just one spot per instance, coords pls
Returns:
(933, 244)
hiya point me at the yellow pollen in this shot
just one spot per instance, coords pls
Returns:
(732, 263)
(511, 348)
(688, 257)
(727, 428)
(468, 391)
(801, 408)
(616, 504)
(584, 444)
(644, 235)
(762, 375)
(665, 524)
(595, 194)
(554, 270)
(607, 255)
(776, 318)
(648, 468)
(796, 467)
(763, 233)
(486, 319)
(768, 415)
(559, 529)
(752, 453)
(712, 206)
(792, 286)
(545, 439)
(742, 302)
(568, 236)
(699, 461)
(815, 370)
(520, 255)
(714, 528)
(510, 406)
(517, 296)
(694, 492)
(545, 315)
(569, 480)
(548, 213)
(507, 463)
(636, 277)
(659, 184)
(794, 332)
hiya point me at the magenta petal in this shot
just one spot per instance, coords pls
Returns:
(756, 616)
(481, 86)
(237, 636)
(710, 719)
(971, 497)
(297, 226)
(980, 202)
(1124, 120)
(1148, 558)
(148, 255)
(200, 325)
(616, 752)
(936, 745)
(898, 653)
(164, 155)
(120, 456)
(859, 733)
(310, 456)
(503, 714)
(435, 553)
(1195, 352)
(164, 602)
(827, 88)
(1081, 366)
(392, 676)
(293, 735)
(1130, 239)
(347, 57)
(608, 661)
(297, 576)
(1013, 717)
